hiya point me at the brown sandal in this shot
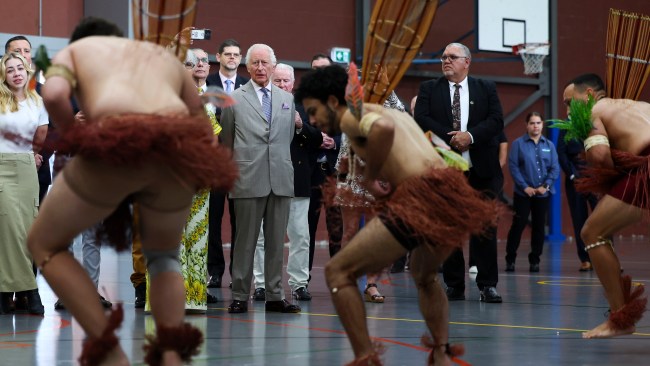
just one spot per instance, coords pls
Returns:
(377, 298)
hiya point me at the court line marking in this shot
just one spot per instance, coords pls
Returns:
(495, 325)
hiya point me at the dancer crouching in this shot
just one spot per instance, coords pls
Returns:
(146, 140)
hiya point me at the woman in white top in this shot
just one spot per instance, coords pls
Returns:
(23, 126)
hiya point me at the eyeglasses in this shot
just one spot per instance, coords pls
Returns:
(230, 54)
(204, 60)
(451, 58)
(189, 65)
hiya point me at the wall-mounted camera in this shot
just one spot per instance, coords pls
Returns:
(201, 34)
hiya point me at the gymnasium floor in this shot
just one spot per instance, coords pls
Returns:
(539, 323)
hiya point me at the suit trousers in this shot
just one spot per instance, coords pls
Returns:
(250, 213)
(483, 249)
(579, 204)
(537, 207)
(90, 253)
(298, 260)
(216, 260)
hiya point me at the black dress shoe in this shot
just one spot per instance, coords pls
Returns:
(214, 282)
(534, 267)
(58, 305)
(6, 303)
(238, 307)
(105, 303)
(282, 306)
(489, 294)
(510, 267)
(259, 294)
(211, 299)
(141, 295)
(396, 269)
(34, 304)
(454, 294)
(302, 294)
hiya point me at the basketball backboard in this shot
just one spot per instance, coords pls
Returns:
(505, 23)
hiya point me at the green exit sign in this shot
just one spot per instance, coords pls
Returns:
(340, 55)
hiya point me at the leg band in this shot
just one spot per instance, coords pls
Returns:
(335, 290)
(159, 261)
(185, 340)
(95, 350)
(49, 258)
(601, 241)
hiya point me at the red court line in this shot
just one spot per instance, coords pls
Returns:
(325, 330)
(63, 324)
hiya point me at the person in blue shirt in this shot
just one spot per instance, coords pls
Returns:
(534, 168)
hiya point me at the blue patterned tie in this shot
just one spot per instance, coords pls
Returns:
(228, 86)
(266, 104)
(455, 108)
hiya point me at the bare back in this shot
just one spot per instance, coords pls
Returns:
(626, 123)
(117, 76)
(411, 153)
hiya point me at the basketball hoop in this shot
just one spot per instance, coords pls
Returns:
(533, 55)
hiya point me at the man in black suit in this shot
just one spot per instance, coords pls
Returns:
(325, 159)
(229, 56)
(570, 155)
(466, 113)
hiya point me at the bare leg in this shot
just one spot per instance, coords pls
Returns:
(370, 250)
(610, 216)
(431, 296)
(62, 216)
(163, 231)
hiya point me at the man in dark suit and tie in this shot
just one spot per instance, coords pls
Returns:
(229, 56)
(259, 129)
(466, 113)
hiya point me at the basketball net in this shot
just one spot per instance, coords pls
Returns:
(159, 21)
(533, 55)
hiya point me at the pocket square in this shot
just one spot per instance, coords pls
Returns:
(285, 106)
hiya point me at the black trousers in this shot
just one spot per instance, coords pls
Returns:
(579, 204)
(333, 216)
(216, 261)
(537, 208)
(483, 249)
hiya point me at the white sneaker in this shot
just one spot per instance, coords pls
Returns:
(473, 269)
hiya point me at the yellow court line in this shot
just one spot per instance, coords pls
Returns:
(477, 324)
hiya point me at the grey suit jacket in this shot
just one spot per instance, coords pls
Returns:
(261, 150)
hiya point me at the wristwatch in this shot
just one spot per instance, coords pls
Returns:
(546, 186)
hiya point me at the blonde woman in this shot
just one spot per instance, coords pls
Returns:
(23, 126)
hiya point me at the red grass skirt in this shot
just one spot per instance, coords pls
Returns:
(185, 143)
(437, 208)
(627, 181)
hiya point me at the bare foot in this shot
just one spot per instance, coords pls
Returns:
(171, 358)
(606, 331)
(440, 357)
(116, 357)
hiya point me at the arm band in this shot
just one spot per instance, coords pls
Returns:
(62, 71)
(594, 140)
(367, 122)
